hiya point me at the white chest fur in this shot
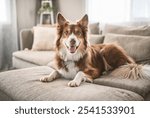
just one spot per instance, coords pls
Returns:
(72, 70)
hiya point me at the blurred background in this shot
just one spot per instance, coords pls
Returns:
(16, 15)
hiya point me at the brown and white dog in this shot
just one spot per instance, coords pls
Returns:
(76, 59)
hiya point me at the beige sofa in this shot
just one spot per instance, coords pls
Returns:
(23, 83)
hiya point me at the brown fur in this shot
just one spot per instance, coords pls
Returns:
(92, 63)
(77, 60)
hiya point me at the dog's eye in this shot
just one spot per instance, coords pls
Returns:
(78, 33)
(66, 33)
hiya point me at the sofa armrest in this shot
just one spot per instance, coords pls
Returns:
(26, 39)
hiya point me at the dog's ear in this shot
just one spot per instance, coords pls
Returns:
(83, 21)
(61, 20)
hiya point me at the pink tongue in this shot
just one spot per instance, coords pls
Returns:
(72, 49)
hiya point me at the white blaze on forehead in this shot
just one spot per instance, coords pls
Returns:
(72, 36)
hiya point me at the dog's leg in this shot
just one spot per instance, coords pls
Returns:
(81, 76)
(54, 75)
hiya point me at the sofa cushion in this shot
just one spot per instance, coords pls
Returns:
(140, 86)
(19, 63)
(24, 84)
(94, 28)
(138, 47)
(36, 57)
(95, 38)
(127, 30)
(4, 97)
(147, 98)
(44, 38)
(144, 62)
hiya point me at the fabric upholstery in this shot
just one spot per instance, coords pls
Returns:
(140, 86)
(35, 57)
(138, 47)
(24, 84)
(4, 97)
(94, 28)
(96, 39)
(127, 30)
(26, 39)
(144, 62)
(20, 63)
(147, 98)
(44, 38)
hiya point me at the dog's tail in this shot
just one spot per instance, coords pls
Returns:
(132, 71)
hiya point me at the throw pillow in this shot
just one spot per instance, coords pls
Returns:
(95, 38)
(138, 47)
(44, 38)
(94, 28)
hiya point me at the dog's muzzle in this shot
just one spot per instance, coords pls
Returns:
(72, 46)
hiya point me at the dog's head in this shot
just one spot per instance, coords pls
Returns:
(72, 38)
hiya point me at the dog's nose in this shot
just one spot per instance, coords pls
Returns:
(72, 41)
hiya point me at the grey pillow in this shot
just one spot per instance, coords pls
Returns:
(138, 47)
(94, 28)
(96, 39)
(127, 30)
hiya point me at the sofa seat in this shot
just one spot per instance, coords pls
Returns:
(24, 84)
(27, 58)
(140, 86)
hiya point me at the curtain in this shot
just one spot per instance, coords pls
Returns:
(118, 10)
(8, 32)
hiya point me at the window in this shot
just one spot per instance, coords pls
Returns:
(3, 11)
(118, 10)
(140, 9)
(108, 10)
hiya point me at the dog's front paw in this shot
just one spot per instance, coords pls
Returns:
(74, 83)
(50, 77)
(46, 79)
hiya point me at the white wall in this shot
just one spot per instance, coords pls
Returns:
(27, 13)
(71, 9)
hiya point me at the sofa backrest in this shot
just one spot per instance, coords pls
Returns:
(26, 39)
(127, 30)
(134, 39)
(138, 47)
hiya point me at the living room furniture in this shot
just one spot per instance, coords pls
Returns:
(23, 83)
